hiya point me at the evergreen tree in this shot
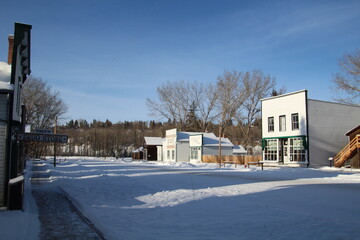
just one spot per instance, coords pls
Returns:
(70, 124)
(192, 120)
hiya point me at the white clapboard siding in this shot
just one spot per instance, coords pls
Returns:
(2, 160)
(3, 118)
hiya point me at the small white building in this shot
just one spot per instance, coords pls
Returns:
(301, 131)
(191, 146)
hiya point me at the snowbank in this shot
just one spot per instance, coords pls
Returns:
(21, 224)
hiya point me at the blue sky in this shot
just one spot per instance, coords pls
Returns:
(107, 57)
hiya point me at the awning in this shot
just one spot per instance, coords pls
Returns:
(285, 137)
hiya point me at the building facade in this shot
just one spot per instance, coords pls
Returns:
(301, 131)
(150, 149)
(191, 146)
(13, 75)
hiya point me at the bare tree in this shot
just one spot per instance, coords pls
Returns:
(175, 99)
(348, 80)
(231, 96)
(257, 85)
(173, 102)
(207, 105)
(42, 104)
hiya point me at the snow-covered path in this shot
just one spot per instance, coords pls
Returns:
(58, 218)
(135, 200)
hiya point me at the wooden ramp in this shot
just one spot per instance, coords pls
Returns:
(347, 152)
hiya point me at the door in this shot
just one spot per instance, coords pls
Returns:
(283, 150)
(195, 154)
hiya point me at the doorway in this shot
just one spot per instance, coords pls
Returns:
(283, 150)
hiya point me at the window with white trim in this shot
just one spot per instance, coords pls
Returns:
(295, 121)
(270, 124)
(282, 123)
(270, 150)
(297, 150)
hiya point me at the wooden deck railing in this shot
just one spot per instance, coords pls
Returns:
(347, 152)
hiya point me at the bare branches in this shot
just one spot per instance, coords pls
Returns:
(175, 99)
(42, 104)
(235, 96)
(348, 80)
(257, 85)
(231, 95)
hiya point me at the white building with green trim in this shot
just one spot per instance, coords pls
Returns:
(302, 132)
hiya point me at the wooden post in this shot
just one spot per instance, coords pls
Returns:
(220, 132)
(55, 126)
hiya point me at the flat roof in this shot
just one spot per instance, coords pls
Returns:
(157, 141)
(283, 95)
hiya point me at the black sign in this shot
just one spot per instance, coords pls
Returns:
(39, 137)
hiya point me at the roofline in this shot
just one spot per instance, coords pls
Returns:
(344, 104)
(304, 90)
(352, 130)
(283, 95)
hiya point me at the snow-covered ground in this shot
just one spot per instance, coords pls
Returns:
(21, 224)
(147, 200)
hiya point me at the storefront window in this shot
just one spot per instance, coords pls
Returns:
(271, 149)
(297, 150)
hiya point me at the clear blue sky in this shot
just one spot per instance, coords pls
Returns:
(107, 57)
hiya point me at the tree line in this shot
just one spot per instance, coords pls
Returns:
(120, 139)
(230, 106)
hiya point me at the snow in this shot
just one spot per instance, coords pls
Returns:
(21, 224)
(154, 141)
(127, 199)
(5, 75)
(16, 180)
(5, 72)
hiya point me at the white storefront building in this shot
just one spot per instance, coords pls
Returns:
(191, 146)
(301, 131)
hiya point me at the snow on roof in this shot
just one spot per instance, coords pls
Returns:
(6, 86)
(209, 139)
(184, 136)
(153, 140)
(239, 149)
(5, 72)
(140, 149)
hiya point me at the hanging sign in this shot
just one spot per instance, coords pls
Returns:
(40, 137)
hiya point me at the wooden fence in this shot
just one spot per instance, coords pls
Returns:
(232, 158)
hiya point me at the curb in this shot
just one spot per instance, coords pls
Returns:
(76, 207)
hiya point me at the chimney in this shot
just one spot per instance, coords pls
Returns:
(11, 47)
